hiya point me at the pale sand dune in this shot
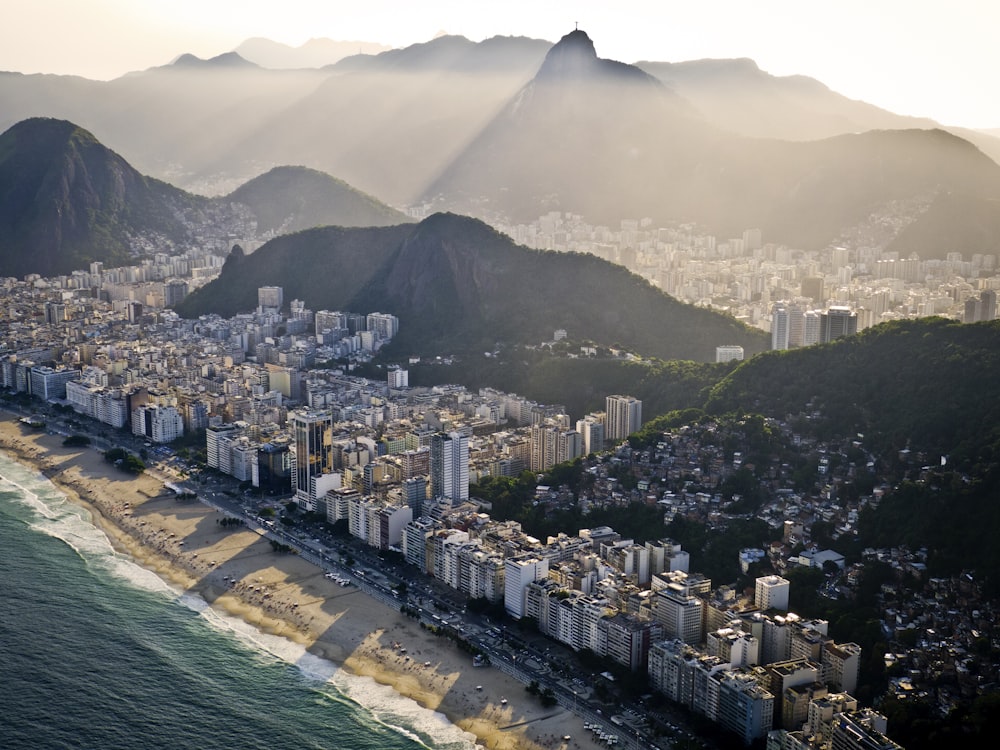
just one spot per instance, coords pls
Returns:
(236, 571)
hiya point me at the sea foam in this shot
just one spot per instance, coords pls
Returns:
(53, 514)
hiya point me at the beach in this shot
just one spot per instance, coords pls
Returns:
(237, 572)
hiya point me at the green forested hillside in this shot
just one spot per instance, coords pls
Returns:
(930, 384)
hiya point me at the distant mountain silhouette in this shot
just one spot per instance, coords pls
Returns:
(225, 60)
(462, 287)
(737, 96)
(608, 141)
(288, 199)
(453, 53)
(66, 200)
(496, 127)
(315, 53)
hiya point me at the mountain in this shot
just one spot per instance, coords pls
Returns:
(581, 122)
(387, 129)
(608, 140)
(451, 53)
(289, 199)
(494, 126)
(952, 223)
(459, 286)
(315, 53)
(66, 200)
(737, 96)
(225, 60)
(921, 383)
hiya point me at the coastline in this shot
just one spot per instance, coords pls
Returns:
(236, 572)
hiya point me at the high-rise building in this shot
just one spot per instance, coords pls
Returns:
(624, 416)
(988, 305)
(270, 298)
(174, 291)
(518, 573)
(729, 353)
(836, 322)
(772, 593)
(591, 433)
(861, 730)
(397, 377)
(450, 467)
(415, 492)
(779, 326)
(810, 328)
(312, 431)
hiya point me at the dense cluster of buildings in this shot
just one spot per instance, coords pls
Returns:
(395, 463)
(753, 280)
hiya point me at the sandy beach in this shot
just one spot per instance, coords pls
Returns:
(236, 571)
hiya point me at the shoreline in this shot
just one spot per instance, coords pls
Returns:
(235, 571)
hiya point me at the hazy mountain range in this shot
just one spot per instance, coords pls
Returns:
(504, 126)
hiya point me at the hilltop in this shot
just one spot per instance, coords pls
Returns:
(463, 287)
(66, 200)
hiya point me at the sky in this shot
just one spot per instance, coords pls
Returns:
(926, 58)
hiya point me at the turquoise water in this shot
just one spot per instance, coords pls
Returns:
(97, 652)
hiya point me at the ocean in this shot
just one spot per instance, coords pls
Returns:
(97, 652)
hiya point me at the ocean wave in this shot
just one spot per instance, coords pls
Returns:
(382, 704)
(53, 514)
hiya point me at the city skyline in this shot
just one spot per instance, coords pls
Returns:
(929, 61)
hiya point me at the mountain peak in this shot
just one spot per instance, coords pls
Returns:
(225, 60)
(571, 56)
(574, 58)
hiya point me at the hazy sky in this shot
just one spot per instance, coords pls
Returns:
(932, 58)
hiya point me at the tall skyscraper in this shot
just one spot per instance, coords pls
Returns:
(624, 416)
(837, 322)
(988, 305)
(450, 467)
(592, 432)
(313, 434)
(270, 298)
(779, 326)
(771, 592)
(728, 353)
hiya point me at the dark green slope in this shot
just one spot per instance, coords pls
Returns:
(459, 286)
(466, 282)
(288, 199)
(929, 384)
(66, 200)
(323, 266)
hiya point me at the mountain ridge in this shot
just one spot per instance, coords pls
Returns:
(67, 200)
(653, 154)
(461, 286)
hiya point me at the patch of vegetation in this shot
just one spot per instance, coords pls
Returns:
(124, 460)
